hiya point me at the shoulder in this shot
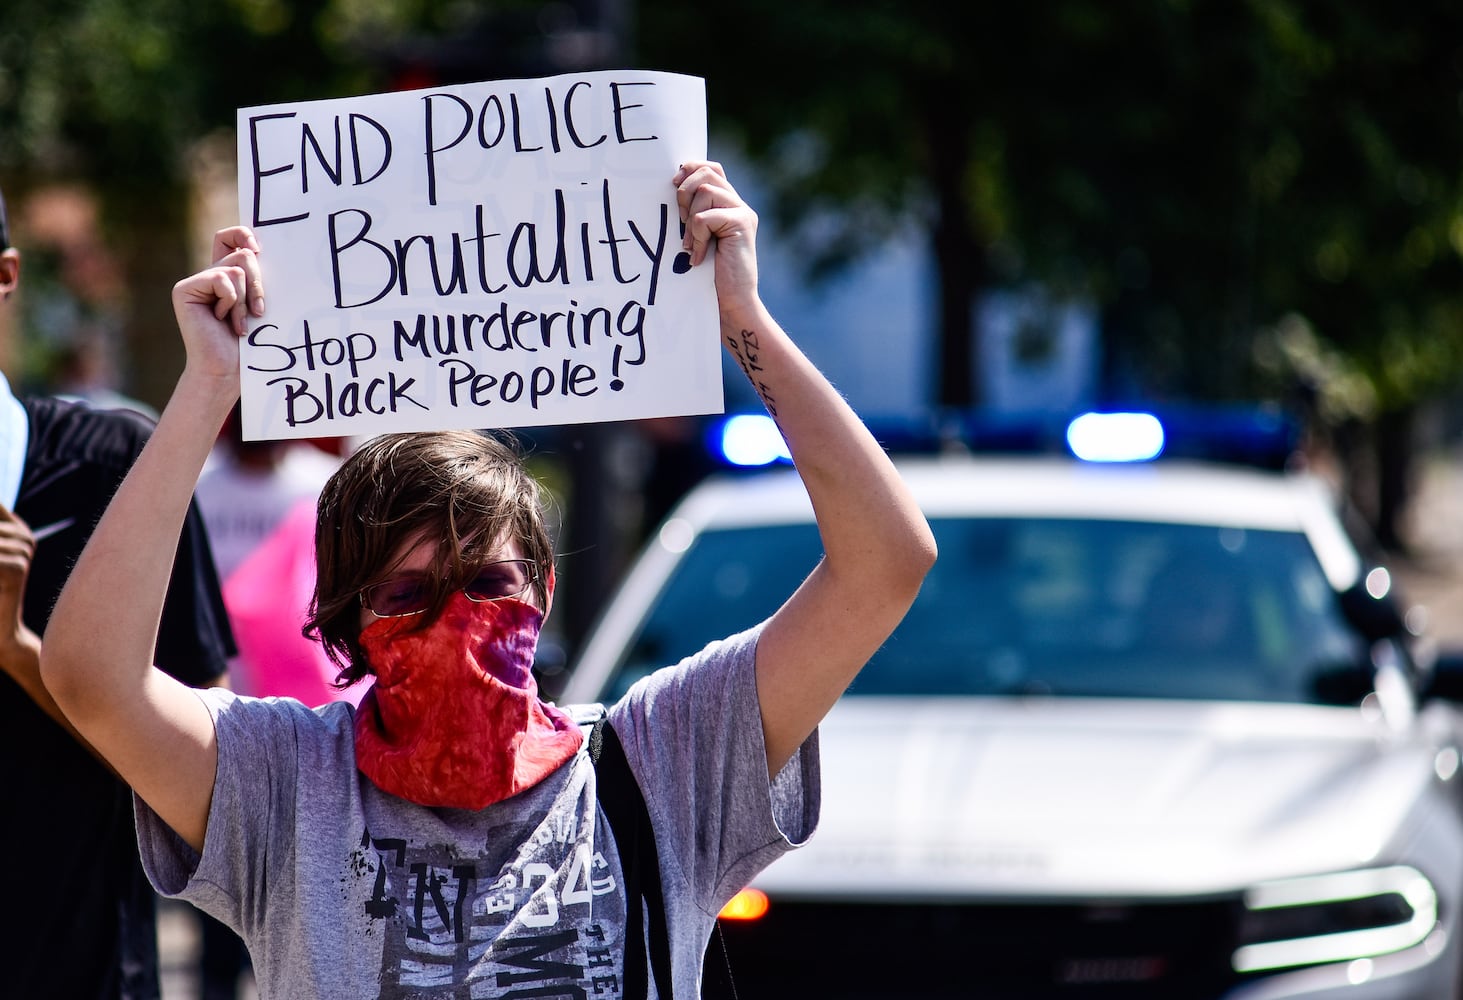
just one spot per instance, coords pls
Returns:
(585, 715)
(75, 457)
(291, 712)
(68, 431)
(698, 700)
(251, 726)
(708, 679)
(591, 719)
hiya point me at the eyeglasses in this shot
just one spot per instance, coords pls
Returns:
(412, 595)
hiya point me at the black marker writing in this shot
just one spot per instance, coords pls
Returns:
(306, 402)
(370, 150)
(466, 386)
(367, 266)
(448, 120)
(748, 354)
(436, 334)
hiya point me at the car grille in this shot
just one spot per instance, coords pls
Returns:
(856, 951)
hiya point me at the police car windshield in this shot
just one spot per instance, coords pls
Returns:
(1059, 607)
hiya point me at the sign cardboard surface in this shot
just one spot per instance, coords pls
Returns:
(502, 254)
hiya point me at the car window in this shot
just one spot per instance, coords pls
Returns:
(1043, 606)
(729, 580)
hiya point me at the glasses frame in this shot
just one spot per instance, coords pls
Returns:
(532, 579)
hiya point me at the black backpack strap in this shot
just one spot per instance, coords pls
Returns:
(624, 807)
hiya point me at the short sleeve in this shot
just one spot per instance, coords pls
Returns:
(251, 818)
(693, 736)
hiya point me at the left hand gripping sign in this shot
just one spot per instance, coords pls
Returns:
(499, 254)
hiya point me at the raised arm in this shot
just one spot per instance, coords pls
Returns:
(97, 656)
(877, 545)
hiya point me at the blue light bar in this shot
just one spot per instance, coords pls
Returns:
(752, 439)
(1115, 437)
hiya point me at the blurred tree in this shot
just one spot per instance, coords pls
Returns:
(114, 95)
(1215, 176)
(1257, 195)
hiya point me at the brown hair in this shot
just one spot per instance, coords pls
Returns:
(465, 491)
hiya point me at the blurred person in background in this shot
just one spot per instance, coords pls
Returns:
(248, 487)
(81, 919)
(86, 373)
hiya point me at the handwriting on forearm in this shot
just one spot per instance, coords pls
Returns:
(747, 352)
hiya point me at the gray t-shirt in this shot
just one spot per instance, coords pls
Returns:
(342, 890)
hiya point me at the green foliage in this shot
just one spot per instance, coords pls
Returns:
(117, 91)
(116, 94)
(1201, 169)
(1209, 172)
(97, 88)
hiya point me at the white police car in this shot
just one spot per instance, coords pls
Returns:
(1150, 730)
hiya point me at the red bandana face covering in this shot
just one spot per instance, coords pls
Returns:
(454, 717)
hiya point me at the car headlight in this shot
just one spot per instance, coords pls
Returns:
(1334, 917)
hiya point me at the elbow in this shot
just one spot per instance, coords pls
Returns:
(63, 675)
(54, 674)
(917, 558)
(927, 554)
(928, 550)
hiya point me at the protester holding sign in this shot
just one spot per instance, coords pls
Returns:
(450, 836)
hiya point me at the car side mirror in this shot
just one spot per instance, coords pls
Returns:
(1376, 618)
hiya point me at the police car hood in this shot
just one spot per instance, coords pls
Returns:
(1003, 798)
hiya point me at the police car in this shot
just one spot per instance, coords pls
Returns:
(1151, 729)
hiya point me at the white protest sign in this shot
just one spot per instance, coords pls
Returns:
(502, 254)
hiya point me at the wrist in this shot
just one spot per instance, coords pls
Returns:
(20, 651)
(202, 400)
(744, 313)
(200, 386)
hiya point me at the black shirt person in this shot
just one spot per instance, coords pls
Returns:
(80, 917)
